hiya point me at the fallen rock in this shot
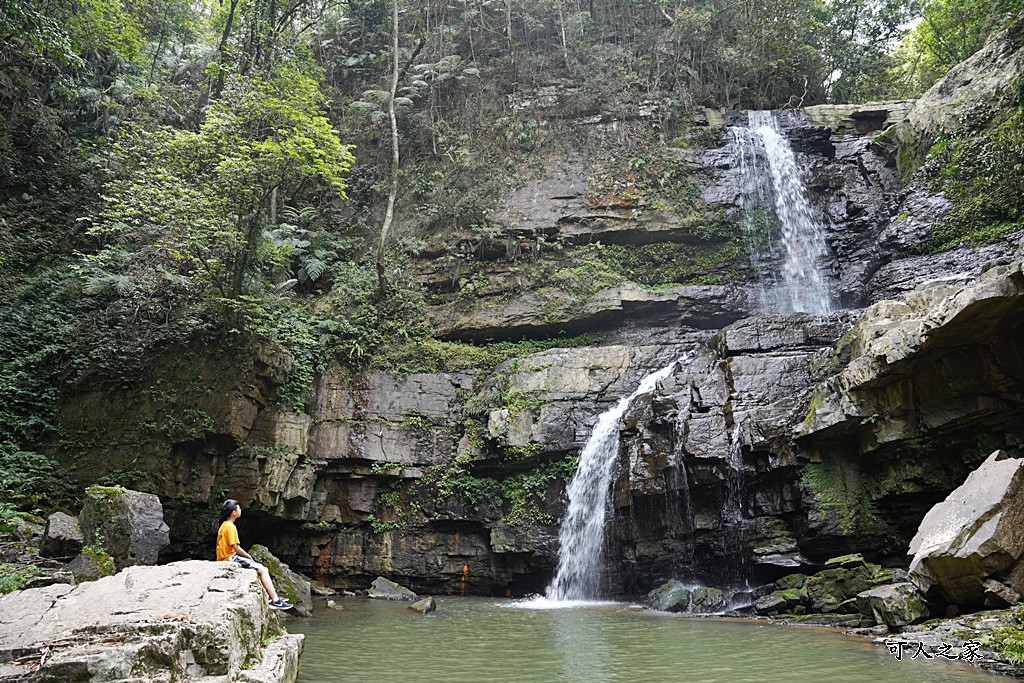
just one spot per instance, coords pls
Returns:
(895, 605)
(129, 525)
(976, 533)
(49, 580)
(707, 600)
(770, 604)
(91, 565)
(424, 606)
(63, 536)
(293, 586)
(672, 596)
(385, 589)
(833, 590)
(999, 595)
(182, 621)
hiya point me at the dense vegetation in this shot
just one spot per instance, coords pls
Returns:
(174, 172)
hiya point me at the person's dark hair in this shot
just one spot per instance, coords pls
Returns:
(227, 508)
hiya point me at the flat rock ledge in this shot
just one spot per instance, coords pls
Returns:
(198, 621)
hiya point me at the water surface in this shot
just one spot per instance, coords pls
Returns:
(481, 640)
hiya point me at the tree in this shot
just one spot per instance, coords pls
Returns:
(202, 200)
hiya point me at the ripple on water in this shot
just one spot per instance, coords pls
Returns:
(480, 640)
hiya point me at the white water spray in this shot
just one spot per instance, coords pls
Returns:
(581, 535)
(774, 184)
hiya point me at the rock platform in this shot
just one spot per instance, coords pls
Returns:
(193, 620)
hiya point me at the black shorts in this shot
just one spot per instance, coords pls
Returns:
(246, 562)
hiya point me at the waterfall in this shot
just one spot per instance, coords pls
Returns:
(581, 535)
(779, 218)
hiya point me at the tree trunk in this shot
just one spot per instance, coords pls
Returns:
(389, 215)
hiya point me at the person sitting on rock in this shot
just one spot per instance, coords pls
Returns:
(228, 550)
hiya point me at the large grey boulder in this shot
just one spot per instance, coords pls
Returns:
(894, 605)
(975, 534)
(385, 589)
(295, 587)
(63, 536)
(129, 525)
(182, 621)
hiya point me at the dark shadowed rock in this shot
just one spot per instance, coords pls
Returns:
(91, 565)
(293, 586)
(999, 595)
(894, 605)
(385, 589)
(424, 606)
(975, 534)
(63, 536)
(129, 525)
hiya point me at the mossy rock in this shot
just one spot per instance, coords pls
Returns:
(791, 581)
(851, 561)
(294, 587)
(91, 564)
(827, 589)
(672, 596)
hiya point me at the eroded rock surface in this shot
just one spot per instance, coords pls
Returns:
(167, 623)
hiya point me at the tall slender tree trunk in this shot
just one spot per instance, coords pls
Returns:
(389, 215)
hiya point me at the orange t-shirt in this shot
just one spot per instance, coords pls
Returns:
(227, 537)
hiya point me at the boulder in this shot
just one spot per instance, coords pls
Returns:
(671, 596)
(295, 587)
(707, 600)
(63, 536)
(189, 620)
(832, 590)
(894, 605)
(384, 589)
(999, 595)
(91, 565)
(129, 525)
(976, 533)
(770, 604)
(424, 606)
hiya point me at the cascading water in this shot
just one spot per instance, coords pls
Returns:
(775, 193)
(581, 535)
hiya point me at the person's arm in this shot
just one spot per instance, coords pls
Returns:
(241, 553)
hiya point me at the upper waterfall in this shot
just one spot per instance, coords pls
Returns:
(781, 220)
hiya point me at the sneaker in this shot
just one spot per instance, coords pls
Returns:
(280, 603)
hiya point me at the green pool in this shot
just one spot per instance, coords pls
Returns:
(480, 640)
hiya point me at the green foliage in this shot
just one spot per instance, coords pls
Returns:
(12, 575)
(11, 517)
(1008, 640)
(453, 480)
(949, 32)
(28, 479)
(201, 202)
(526, 491)
(980, 167)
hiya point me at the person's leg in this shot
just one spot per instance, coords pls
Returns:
(268, 585)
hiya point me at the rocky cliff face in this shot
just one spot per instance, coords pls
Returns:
(779, 441)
